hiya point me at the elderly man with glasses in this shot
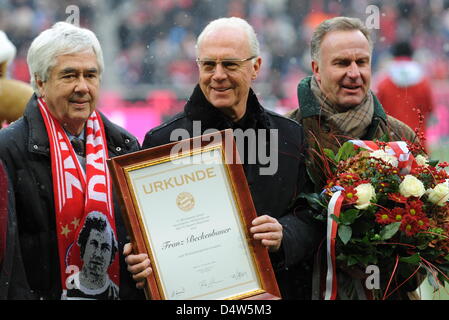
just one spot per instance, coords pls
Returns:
(228, 62)
(55, 156)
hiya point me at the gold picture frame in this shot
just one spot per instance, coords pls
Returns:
(187, 205)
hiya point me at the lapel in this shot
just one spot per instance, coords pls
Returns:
(37, 133)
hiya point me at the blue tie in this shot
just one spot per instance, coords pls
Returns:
(78, 146)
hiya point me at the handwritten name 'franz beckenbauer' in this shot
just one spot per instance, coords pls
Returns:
(193, 238)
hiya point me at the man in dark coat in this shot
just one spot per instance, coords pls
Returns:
(336, 105)
(13, 284)
(228, 61)
(62, 136)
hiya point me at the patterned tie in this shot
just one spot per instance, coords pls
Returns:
(78, 146)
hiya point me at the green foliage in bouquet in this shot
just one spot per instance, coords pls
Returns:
(395, 218)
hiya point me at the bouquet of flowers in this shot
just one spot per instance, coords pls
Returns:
(386, 205)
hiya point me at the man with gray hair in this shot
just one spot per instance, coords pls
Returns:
(229, 61)
(336, 105)
(56, 157)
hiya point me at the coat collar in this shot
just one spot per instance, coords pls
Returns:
(309, 105)
(199, 109)
(37, 134)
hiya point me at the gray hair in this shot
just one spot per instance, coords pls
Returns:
(232, 22)
(336, 24)
(62, 38)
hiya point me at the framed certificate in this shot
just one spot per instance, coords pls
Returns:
(188, 206)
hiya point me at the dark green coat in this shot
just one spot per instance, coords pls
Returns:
(320, 135)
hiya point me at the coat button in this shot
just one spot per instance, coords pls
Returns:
(126, 140)
(118, 149)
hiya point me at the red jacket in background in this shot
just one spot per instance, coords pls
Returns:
(404, 89)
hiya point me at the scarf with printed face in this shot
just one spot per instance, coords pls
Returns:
(84, 211)
(354, 122)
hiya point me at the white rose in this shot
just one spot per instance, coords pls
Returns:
(439, 195)
(365, 193)
(388, 158)
(421, 160)
(411, 187)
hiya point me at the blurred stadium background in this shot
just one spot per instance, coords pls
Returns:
(150, 56)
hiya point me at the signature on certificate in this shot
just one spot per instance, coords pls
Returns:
(178, 292)
(239, 275)
(209, 283)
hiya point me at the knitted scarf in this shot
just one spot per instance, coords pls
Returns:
(83, 244)
(354, 122)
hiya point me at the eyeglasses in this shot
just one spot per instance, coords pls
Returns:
(228, 65)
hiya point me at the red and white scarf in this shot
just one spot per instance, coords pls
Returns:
(77, 193)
